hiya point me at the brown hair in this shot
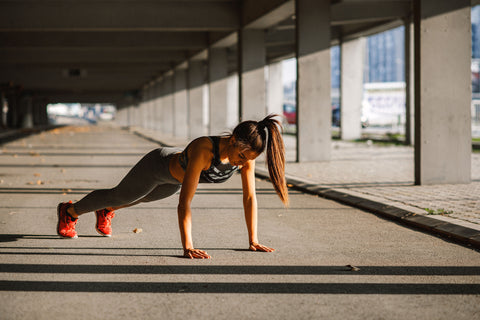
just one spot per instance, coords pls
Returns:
(252, 135)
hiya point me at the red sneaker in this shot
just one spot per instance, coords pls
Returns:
(66, 224)
(104, 222)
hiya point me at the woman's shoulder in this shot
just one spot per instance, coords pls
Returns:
(201, 143)
(201, 147)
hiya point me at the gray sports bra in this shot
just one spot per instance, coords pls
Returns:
(218, 171)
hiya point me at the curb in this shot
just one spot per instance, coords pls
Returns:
(458, 233)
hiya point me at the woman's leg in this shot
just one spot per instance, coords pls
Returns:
(160, 192)
(138, 183)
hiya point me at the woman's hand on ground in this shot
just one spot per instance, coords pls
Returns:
(258, 247)
(195, 254)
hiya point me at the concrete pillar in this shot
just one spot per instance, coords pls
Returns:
(37, 112)
(161, 106)
(43, 112)
(218, 90)
(130, 115)
(167, 105)
(26, 115)
(314, 111)
(275, 89)
(352, 62)
(196, 82)
(151, 105)
(13, 97)
(137, 114)
(409, 84)
(232, 101)
(442, 91)
(252, 61)
(157, 105)
(180, 101)
(3, 111)
(141, 110)
(145, 107)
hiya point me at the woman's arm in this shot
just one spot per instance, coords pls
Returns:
(250, 206)
(199, 159)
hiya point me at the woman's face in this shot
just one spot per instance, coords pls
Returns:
(239, 156)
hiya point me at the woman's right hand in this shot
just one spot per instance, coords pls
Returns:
(195, 254)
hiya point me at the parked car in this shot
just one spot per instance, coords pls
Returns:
(290, 112)
(336, 115)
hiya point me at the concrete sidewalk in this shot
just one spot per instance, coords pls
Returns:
(403, 273)
(379, 178)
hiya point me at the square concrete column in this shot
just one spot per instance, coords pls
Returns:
(142, 109)
(442, 91)
(3, 110)
(154, 105)
(40, 116)
(409, 83)
(149, 107)
(218, 86)
(232, 101)
(314, 110)
(352, 62)
(196, 82)
(167, 105)
(26, 115)
(252, 61)
(180, 102)
(275, 89)
(157, 104)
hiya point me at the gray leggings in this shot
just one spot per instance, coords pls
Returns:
(148, 180)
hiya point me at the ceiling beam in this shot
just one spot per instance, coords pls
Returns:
(263, 14)
(369, 11)
(141, 15)
(154, 40)
(82, 55)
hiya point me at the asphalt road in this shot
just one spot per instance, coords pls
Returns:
(403, 273)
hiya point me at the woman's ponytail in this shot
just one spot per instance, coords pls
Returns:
(275, 155)
(252, 135)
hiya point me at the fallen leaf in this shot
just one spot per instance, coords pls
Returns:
(353, 268)
(39, 182)
(37, 174)
(137, 230)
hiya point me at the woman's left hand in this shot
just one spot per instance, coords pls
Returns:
(258, 247)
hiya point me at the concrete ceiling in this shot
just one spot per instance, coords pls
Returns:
(104, 50)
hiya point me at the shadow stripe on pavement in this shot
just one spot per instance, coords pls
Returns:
(243, 287)
(242, 270)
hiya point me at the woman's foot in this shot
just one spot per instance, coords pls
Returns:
(104, 222)
(66, 224)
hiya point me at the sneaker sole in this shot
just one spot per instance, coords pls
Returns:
(100, 232)
(58, 224)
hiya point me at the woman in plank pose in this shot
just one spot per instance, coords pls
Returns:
(164, 171)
